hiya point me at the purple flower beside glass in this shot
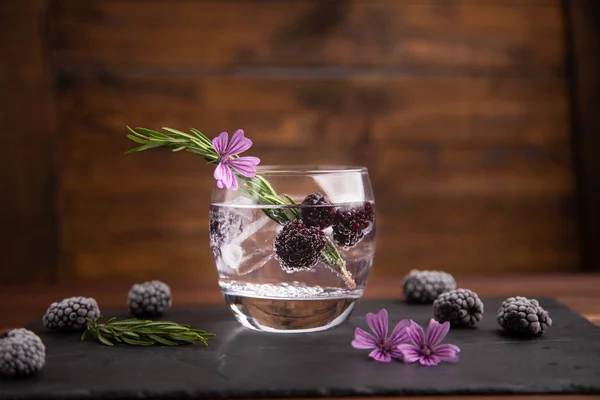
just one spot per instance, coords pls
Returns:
(427, 348)
(384, 348)
(424, 348)
(245, 166)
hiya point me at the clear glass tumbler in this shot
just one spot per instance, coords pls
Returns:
(294, 246)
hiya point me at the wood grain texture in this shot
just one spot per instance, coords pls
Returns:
(451, 189)
(458, 107)
(463, 36)
(28, 171)
(584, 19)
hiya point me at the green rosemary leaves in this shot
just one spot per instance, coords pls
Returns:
(143, 332)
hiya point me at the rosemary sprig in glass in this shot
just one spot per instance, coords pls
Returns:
(257, 188)
(143, 333)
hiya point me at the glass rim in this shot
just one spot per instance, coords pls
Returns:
(309, 169)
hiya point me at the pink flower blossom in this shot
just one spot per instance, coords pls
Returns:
(245, 166)
(427, 349)
(384, 348)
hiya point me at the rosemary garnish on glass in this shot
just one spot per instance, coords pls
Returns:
(256, 188)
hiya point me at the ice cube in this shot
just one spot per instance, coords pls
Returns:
(255, 260)
(225, 224)
(249, 250)
(231, 259)
(231, 256)
(250, 229)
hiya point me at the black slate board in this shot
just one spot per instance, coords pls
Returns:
(242, 363)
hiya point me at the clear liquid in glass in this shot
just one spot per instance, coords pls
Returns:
(265, 297)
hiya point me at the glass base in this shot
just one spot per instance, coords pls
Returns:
(290, 315)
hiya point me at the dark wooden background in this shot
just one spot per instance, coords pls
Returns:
(470, 115)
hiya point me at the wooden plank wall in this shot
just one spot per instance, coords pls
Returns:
(458, 107)
(29, 241)
(584, 83)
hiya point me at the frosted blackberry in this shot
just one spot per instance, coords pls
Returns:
(149, 299)
(70, 314)
(22, 353)
(224, 225)
(521, 316)
(461, 307)
(298, 246)
(349, 226)
(316, 210)
(425, 286)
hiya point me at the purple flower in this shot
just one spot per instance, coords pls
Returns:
(384, 348)
(427, 349)
(243, 165)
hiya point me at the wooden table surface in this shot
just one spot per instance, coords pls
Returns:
(20, 304)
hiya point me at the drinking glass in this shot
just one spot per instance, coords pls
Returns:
(294, 246)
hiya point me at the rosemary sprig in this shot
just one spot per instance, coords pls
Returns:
(143, 333)
(257, 188)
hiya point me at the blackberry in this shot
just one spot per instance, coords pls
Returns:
(349, 226)
(425, 286)
(316, 210)
(461, 307)
(22, 353)
(523, 317)
(149, 299)
(298, 246)
(69, 314)
(223, 226)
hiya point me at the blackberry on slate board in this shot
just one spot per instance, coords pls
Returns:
(461, 307)
(523, 317)
(316, 210)
(349, 225)
(69, 314)
(298, 246)
(425, 286)
(22, 353)
(149, 299)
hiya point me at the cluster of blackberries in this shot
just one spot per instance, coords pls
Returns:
(22, 352)
(299, 244)
(149, 299)
(463, 308)
(425, 286)
(523, 317)
(70, 314)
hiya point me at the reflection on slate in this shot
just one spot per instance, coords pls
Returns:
(241, 363)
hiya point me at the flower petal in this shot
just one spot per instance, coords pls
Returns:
(220, 142)
(225, 177)
(429, 361)
(245, 165)
(396, 353)
(380, 356)
(238, 143)
(399, 334)
(415, 334)
(234, 183)
(363, 340)
(379, 323)
(446, 352)
(410, 353)
(436, 332)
